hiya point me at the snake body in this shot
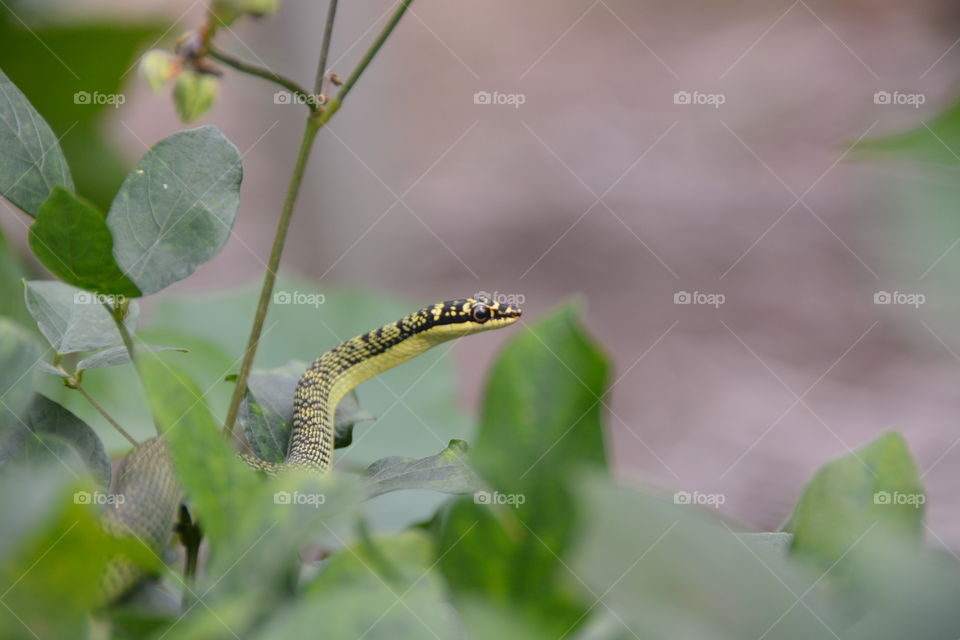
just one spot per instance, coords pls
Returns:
(146, 477)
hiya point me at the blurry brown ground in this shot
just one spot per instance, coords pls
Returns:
(600, 187)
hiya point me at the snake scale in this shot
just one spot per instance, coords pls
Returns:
(146, 477)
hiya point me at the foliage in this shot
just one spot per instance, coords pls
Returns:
(543, 543)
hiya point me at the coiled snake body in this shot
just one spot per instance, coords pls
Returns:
(146, 478)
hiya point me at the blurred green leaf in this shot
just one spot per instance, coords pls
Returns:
(32, 163)
(11, 273)
(543, 397)
(875, 490)
(937, 141)
(49, 424)
(56, 59)
(19, 354)
(266, 413)
(541, 424)
(385, 589)
(72, 319)
(667, 571)
(71, 239)
(446, 471)
(51, 567)
(176, 208)
(113, 356)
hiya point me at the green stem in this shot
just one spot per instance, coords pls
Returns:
(103, 412)
(270, 277)
(314, 123)
(117, 312)
(266, 74)
(374, 48)
(325, 48)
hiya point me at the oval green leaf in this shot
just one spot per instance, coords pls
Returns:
(176, 208)
(32, 163)
(70, 237)
(72, 319)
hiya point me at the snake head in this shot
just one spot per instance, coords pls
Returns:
(482, 310)
(465, 316)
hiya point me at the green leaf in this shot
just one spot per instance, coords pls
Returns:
(874, 491)
(176, 208)
(49, 424)
(19, 355)
(267, 411)
(937, 141)
(446, 471)
(56, 562)
(11, 273)
(541, 424)
(94, 53)
(71, 239)
(32, 163)
(384, 589)
(197, 448)
(666, 571)
(544, 398)
(72, 319)
(114, 356)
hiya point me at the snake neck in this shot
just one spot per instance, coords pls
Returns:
(335, 373)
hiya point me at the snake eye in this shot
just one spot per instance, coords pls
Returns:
(480, 313)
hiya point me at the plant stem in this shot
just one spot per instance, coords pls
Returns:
(270, 277)
(325, 48)
(117, 312)
(266, 74)
(102, 411)
(314, 123)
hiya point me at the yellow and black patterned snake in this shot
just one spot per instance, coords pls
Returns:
(146, 478)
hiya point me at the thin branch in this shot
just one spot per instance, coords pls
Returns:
(270, 277)
(103, 412)
(325, 48)
(388, 28)
(117, 312)
(266, 74)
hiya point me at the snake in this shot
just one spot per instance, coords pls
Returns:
(147, 493)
